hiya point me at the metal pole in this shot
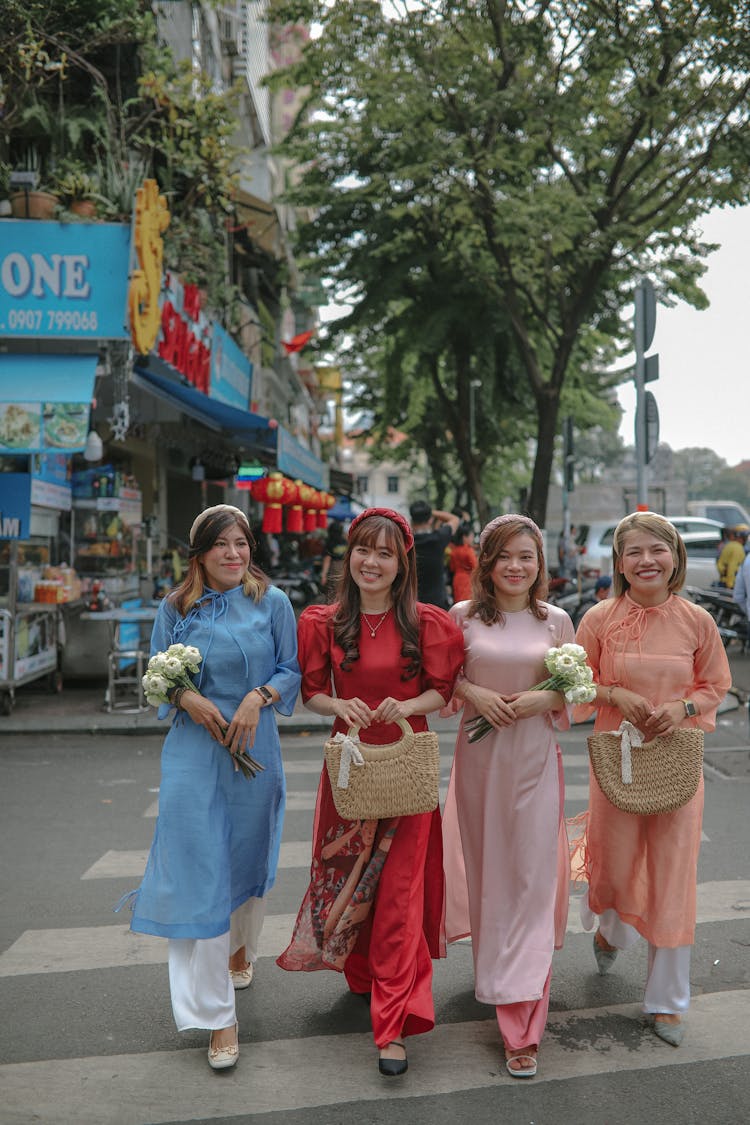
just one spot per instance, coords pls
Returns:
(640, 406)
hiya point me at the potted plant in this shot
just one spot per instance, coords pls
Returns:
(78, 190)
(29, 199)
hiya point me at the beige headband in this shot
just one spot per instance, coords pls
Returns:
(207, 512)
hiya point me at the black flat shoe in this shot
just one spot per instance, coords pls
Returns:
(394, 1068)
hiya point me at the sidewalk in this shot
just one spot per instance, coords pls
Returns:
(80, 708)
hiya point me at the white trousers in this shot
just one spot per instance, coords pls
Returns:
(668, 975)
(199, 982)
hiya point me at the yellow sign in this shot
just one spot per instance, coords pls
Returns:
(151, 218)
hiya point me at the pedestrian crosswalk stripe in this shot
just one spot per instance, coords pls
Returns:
(131, 865)
(171, 1085)
(106, 947)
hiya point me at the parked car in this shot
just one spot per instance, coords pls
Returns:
(727, 512)
(702, 538)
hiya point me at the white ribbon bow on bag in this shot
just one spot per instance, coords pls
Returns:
(350, 755)
(629, 736)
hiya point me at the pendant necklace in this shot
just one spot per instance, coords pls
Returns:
(374, 628)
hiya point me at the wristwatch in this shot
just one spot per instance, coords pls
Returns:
(690, 710)
(267, 697)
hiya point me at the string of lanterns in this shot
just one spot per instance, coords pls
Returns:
(289, 505)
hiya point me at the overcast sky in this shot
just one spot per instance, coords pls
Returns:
(703, 389)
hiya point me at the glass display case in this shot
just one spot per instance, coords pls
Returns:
(105, 533)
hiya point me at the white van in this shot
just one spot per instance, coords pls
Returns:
(727, 512)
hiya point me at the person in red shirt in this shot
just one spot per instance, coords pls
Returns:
(374, 906)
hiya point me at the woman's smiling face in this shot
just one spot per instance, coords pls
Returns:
(516, 569)
(374, 569)
(226, 562)
(647, 564)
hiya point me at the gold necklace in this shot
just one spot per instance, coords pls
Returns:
(374, 628)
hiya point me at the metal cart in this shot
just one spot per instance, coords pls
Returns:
(31, 638)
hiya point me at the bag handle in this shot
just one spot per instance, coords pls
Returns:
(406, 731)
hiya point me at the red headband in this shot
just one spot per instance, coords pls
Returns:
(395, 517)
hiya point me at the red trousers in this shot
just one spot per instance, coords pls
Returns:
(391, 959)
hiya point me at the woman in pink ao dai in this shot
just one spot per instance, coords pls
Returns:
(506, 855)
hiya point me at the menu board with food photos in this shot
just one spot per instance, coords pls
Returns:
(37, 427)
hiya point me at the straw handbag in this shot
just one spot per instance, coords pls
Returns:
(376, 782)
(647, 777)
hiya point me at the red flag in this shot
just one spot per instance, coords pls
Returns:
(297, 343)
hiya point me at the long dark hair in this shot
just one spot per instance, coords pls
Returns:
(254, 581)
(484, 599)
(346, 621)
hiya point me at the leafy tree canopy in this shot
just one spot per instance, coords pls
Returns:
(487, 181)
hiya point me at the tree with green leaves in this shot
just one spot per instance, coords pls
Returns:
(514, 168)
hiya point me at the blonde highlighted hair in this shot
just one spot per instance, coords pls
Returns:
(660, 528)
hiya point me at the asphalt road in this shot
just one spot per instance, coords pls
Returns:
(87, 1034)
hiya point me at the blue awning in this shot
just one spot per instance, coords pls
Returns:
(208, 411)
(290, 456)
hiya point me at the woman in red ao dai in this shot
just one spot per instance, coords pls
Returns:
(374, 905)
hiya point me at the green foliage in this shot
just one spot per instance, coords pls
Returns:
(489, 181)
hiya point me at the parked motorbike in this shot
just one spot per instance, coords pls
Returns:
(574, 599)
(300, 584)
(730, 620)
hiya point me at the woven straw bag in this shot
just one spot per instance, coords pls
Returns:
(647, 777)
(376, 782)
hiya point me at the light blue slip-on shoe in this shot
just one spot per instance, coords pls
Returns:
(605, 958)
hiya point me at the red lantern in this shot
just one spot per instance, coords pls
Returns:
(294, 513)
(271, 492)
(307, 496)
(326, 501)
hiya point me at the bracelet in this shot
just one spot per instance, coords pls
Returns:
(609, 694)
(177, 698)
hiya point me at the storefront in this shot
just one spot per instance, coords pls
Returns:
(63, 294)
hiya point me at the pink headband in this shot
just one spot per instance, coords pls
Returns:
(501, 521)
(389, 514)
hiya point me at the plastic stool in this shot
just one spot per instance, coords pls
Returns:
(127, 679)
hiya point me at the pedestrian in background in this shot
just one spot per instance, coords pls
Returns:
(333, 559)
(503, 820)
(732, 555)
(659, 663)
(374, 905)
(433, 530)
(568, 553)
(462, 561)
(218, 833)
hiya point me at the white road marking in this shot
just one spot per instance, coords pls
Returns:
(104, 947)
(172, 1085)
(126, 865)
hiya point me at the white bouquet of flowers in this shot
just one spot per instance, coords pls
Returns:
(569, 674)
(170, 670)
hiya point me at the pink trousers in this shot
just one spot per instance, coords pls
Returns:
(522, 1024)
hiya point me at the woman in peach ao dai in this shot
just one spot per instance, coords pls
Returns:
(659, 663)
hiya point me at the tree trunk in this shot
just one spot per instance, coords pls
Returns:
(548, 408)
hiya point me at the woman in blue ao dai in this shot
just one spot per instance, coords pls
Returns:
(217, 838)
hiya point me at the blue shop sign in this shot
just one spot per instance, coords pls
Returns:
(64, 280)
(15, 505)
(231, 371)
(296, 461)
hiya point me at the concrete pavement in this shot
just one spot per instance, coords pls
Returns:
(80, 707)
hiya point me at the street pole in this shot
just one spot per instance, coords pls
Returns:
(640, 389)
(646, 370)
